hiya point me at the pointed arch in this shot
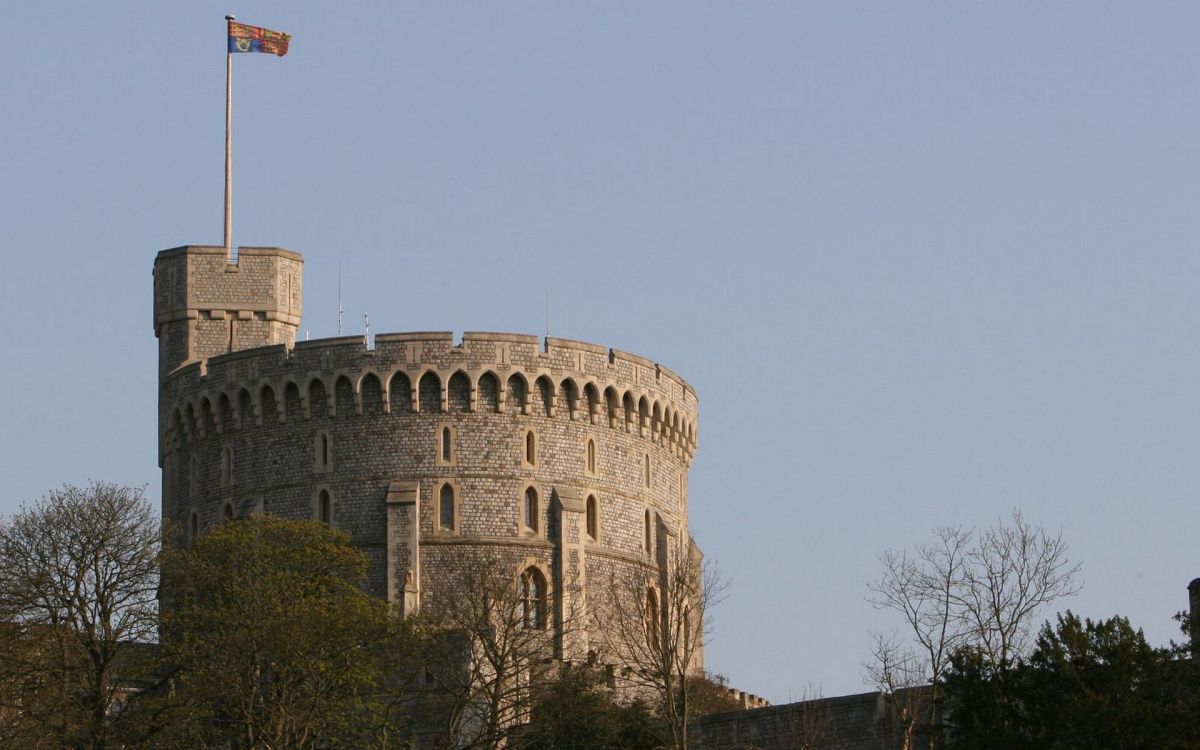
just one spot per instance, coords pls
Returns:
(429, 393)
(531, 510)
(206, 414)
(293, 408)
(400, 393)
(458, 392)
(612, 402)
(544, 404)
(244, 416)
(630, 410)
(271, 408)
(370, 390)
(447, 511)
(568, 397)
(224, 414)
(593, 518)
(647, 534)
(592, 396)
(518, 394)
(343, 401)
(643, 414)
(488, 390)
(652, 618)
(318, 398)
(174, 429)
(189, 419)
(533, 598)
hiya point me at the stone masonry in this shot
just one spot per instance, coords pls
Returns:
(366, 438)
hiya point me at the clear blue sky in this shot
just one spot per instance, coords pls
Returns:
(922, 262)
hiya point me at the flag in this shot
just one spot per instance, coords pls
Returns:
(243, 38)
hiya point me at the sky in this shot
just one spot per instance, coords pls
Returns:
(923, 263)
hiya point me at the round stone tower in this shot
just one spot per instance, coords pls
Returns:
(563, 457)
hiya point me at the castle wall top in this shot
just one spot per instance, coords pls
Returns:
(194, 279)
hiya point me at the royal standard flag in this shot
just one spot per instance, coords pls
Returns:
(243, 38)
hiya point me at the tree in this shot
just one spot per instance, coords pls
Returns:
(968, 589)
(274, 643)
(579, 710)
(709, 693)
(78, 581)
(1085, 684)
(806, 724)
(656, 620)
(902, 677)
(490, 645)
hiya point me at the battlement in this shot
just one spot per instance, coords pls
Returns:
(429, 372)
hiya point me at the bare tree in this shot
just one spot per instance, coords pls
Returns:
(808, 725)
(902, 677)
(656, 620)
(925, 587)
(492, 641)
(78, 581)
(968, 589)
(1012, 572)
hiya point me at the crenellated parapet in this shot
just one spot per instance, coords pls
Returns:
(423, 373)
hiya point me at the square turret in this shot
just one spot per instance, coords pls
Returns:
(206, 304)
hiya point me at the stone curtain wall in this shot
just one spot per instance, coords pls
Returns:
(853, 722)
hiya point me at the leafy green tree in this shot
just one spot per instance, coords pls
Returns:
(709, 693)
(274, 643)
(78, 581)
(1086, 684)
(578, 711)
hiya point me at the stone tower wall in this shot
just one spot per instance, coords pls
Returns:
(240, 433)
(206, 305)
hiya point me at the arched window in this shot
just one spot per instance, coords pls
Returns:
(446, 444)
(533, 598)
(647, 534)
(591, 456)
(531, 448)
(647, 471)
(228, 514)
(325, 508)
(593, 518)
(530, 509)
(323, 452)
(226, 465)
(446, 508)
(652, 618)
(193, 477)
(193, 527)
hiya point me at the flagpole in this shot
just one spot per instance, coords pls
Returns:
(228, 150)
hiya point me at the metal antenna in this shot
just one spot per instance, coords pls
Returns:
(547, 312)
(340, 310)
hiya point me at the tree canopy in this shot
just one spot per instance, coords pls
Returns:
(78, 581)
(1086, 684)
(273, 641)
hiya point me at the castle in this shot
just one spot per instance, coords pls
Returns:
(566, 460)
